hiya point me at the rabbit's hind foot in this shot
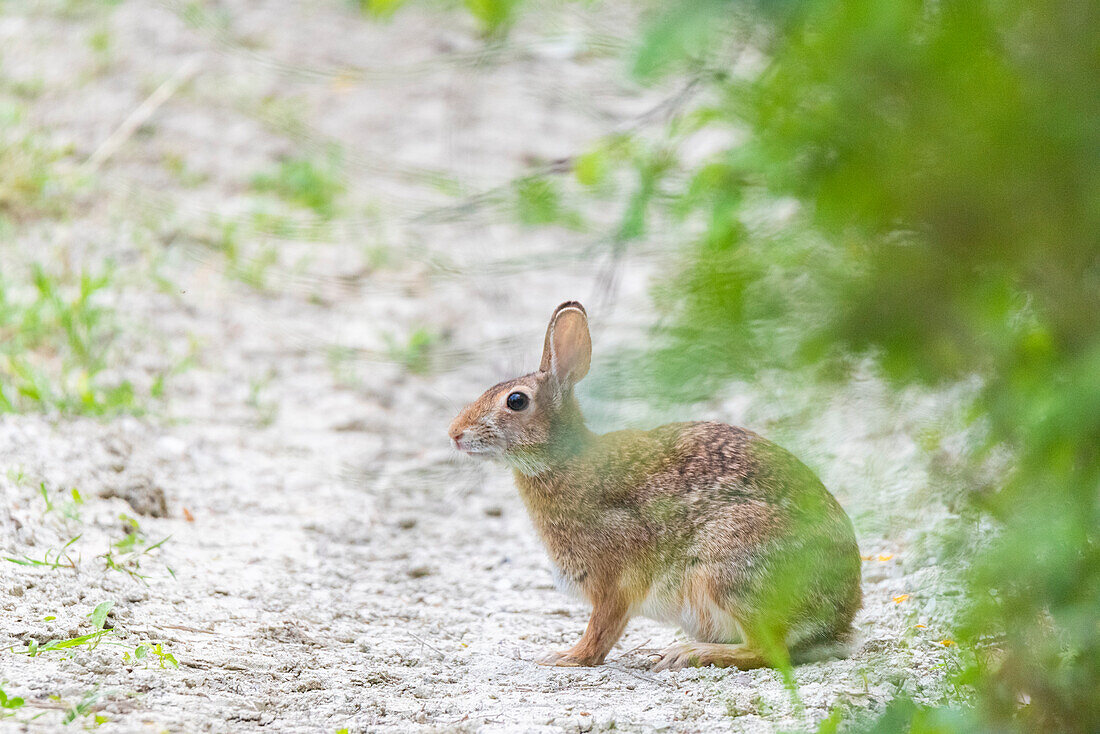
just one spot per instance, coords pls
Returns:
(700, 654)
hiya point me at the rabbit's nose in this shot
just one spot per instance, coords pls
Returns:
(456, 438)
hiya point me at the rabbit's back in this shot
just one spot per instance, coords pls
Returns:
(724, 469)
(702, 471)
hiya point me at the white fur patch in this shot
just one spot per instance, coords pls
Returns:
(660, 606)
(708, 622)
(565, 583)
(526, 465)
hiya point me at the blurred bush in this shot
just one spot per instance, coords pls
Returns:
(917, 183)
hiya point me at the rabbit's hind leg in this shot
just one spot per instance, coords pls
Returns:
(756, 650)
(701, 654)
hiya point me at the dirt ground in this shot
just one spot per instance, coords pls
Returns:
(330, 563)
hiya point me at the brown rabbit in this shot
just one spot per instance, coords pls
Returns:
(701, 525)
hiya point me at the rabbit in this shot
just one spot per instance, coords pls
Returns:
(699, 525)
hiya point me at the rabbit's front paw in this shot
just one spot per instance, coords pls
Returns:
(564, 659)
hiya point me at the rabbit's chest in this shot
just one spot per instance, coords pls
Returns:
(574, 561)
(577, 559)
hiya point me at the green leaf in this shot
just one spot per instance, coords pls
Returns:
(10, 703)
(165, 657)
(591, 168)
(73, 642)
(380, 8)
(99, 614)
(495, 16)
(686, 30)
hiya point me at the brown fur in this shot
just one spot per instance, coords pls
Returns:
(701, 524)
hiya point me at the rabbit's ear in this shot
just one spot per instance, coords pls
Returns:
(567, 351)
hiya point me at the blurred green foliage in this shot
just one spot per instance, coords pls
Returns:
(538, 201)
(916, 183)
(380, 8)
(495, 17)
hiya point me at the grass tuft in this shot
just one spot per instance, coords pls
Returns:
(415, 353)
(314, 184)
(55, 339)
(31, 182)
(126, 555)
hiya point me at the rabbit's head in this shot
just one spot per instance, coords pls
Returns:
(526, 420)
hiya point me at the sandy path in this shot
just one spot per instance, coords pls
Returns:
(335, 566)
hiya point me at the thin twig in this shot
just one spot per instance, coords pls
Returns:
(663, 111)
(635, 648)
(185, 628)
(142, 113)
(422, 642)
(61, 706)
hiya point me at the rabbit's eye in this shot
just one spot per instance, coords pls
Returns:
(517, 401)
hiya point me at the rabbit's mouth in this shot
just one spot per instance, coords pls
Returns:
(476, 447)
